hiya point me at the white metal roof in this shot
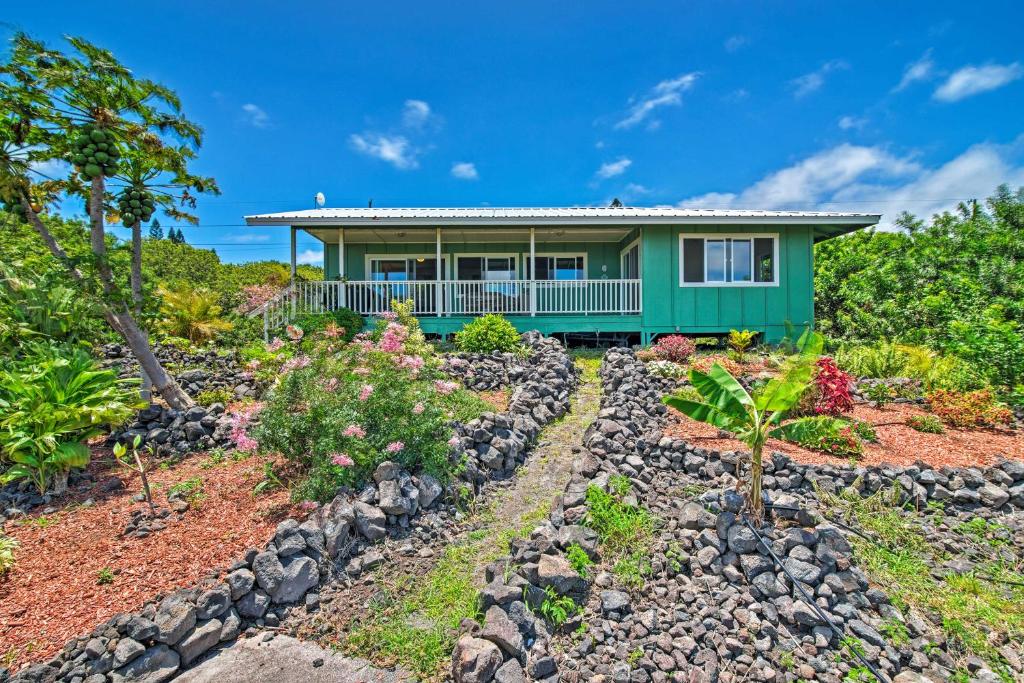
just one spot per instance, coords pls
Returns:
(554, 216)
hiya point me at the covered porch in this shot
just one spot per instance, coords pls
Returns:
(465, 271)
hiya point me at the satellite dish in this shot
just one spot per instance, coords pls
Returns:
(319, 199)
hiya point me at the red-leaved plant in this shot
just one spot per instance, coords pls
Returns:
(675, 348)
(832, 388)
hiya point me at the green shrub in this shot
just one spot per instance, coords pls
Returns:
(49, 405)
(211, 396)
(929, 424)
(825, 433)
(345, 318)
(876, 362)
(969, 409)
(666, 368)
(244, 330)
(44, 309)
(488, 333)
(992, 344)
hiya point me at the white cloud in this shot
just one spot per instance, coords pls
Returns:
(972, 80)
(247, 238)
(310, 257)
(813, 81)
(871, 179)
(611, 169)
(416, 113)
(852, 122)
(394, 149)
(465, 170)
(733, 43)
(255, 116)
(920, 70)
(51, 169)
(664, 94)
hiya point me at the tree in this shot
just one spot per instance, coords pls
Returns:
(86, 108)
(155, 231)
(728, 406)
(176, 237)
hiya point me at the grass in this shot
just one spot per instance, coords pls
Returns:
(624, 530)
(416, 624)
(190, 489)
(7, 547)
(976, 609)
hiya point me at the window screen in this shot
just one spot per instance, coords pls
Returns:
(470, 268)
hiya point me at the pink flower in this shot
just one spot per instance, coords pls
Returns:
(393, 338)
(389, 315)
(418, 409)
(362, 372)
(445, 388)
(275, 345)
(254, 364)
(394, 446)
(331, 385)
(354, 430)
(308, 505)
(243, 441)
(365, 392)
(454, 441)
(414, 363)
(333, 331)
(294, 333)
(342, 460)
(295, 363)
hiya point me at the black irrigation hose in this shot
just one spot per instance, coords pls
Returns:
(810, 601)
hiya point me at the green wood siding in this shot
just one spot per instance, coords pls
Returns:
(667, 306)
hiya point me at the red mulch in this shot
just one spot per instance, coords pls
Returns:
(51, 594)
(498, 398)
(897, 444)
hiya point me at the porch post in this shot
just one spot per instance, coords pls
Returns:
(341, 267)
(532, 265)
(438, 295)
(293, 284)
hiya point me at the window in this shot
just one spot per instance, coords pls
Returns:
(419, 269)
(486, 268)
(557, 267)
(630, 262)
(718, 260)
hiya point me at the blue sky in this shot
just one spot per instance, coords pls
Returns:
(870, 106)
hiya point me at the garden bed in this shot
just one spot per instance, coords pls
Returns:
(897, 444)
(75, 568)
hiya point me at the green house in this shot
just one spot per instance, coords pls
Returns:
(616, 272)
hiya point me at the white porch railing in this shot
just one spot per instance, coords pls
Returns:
(457, 297)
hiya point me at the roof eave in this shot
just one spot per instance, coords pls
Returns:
(851, 222)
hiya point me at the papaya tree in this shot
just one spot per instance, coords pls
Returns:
(725, 404)
(86, 115)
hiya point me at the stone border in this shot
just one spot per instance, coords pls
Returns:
(625, 439)
(168, 635)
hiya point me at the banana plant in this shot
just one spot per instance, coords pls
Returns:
(725, 404)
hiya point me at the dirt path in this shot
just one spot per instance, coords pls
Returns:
(406, 613)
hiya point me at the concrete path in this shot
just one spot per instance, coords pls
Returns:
(283, 659)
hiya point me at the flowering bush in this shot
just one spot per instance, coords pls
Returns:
(664, 368)
(832, 389)
(343, 409)
(675, 348)
(969, 409)
(254, 296)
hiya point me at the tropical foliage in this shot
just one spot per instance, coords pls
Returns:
(49, 405)
(727, 405)
(192, 314)
(954, 284)
(674, 348)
